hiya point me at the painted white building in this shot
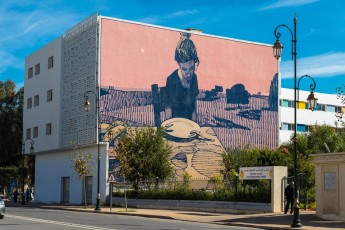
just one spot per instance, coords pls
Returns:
(327, 107)
(56, 78)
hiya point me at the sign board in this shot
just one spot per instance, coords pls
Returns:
(330, 180)
(13, 183)
(256, 173)
(111, 178)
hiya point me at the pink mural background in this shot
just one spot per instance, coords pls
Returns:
(134, 56)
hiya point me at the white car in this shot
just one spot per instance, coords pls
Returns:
(2, 208)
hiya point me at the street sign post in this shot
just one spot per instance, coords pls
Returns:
(13, 183)
(111, 180)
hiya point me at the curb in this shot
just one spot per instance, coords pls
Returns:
(162, 217)
(109, 212)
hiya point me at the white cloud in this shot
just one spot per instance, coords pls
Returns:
(182, 13)
(153, 19)
(324, 65)
(23, 23)
(156, 19)
(287, 3)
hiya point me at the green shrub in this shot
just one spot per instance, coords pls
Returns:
(248, 194)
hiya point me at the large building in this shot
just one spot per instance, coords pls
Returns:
(210, 93)
(325, 112)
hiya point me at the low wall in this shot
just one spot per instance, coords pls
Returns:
(190, 205)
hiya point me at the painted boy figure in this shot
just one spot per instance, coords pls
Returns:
(182, 85)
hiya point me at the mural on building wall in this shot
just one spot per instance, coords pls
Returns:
(200, 120)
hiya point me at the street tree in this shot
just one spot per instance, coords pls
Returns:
(144, 155)
(11, 113)
(11, 135)
(83, 165)
(324, 138)
(253, 157)
(320, 139)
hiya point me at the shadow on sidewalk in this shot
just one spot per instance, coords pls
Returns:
(307, 219)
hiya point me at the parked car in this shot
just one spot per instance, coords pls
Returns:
(2, 208)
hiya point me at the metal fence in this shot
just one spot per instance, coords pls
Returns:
(302, 191)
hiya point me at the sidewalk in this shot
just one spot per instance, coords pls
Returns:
(263, 220)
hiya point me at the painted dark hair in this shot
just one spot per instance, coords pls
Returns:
(185, 50)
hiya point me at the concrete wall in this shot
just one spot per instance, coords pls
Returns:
(52, 166)
(277, 188)
(205, 206)
(330, 185)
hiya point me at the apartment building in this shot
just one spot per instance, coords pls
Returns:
(325, 112)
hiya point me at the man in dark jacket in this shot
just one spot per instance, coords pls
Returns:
(289, 197)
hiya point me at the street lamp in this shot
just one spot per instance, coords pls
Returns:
(23, 173)
(277, 51)
(87, 106)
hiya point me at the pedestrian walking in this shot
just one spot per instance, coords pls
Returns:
(15, 196)
(289, 192)
(28, 195)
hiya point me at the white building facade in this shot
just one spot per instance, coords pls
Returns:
(325, 113)
(56, 78)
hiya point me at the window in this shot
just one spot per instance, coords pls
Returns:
(49, 95)
(37, 69)
(30, 72)
(36, 100)
(301, 128)
(49, 129)
(330, 108)
(287, 103)
(291, 104)
(301, 105)
(287, 126)
(28, 133)
(29, 103)
(291, 127)
(35, 132)
(338, 109)
(320, 107)
(308, 128)
(50, 62)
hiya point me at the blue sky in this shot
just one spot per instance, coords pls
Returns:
(26, 25)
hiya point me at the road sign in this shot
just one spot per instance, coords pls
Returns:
(111, 178)
(13, 183)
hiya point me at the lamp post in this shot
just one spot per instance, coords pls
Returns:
(87, 106)
(277, 51)
(23, 173)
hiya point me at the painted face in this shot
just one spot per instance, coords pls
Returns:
(187, 69)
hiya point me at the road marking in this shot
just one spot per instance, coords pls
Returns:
(77, 217)
(59, 223)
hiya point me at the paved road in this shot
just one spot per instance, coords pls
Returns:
(17, 218)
